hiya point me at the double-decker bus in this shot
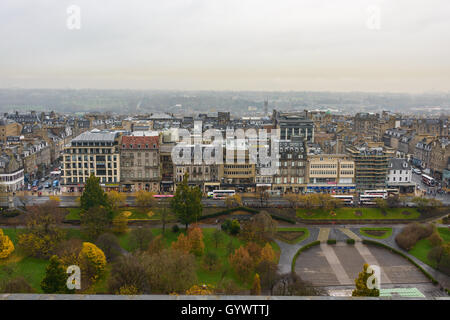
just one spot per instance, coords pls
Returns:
(381, 192)
(158, 196)
(346, 199)
(369, 199)
(429, 181)
(223, 194)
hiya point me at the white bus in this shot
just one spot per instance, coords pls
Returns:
(223, 194)
(370, 198)
(346, 199)
(381, 192)
(429, 181)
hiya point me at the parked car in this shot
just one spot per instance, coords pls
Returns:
(417, 171)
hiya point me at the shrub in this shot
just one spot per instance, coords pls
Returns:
(92, 261)
(413, 233)
(16, 285)
(235, 227)
(350, 241)
(435, 239)
(6, 245)
(175, 228)
(140, 239)
(110, 246)
(331, 241)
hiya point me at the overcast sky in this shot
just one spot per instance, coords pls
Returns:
(320, 45)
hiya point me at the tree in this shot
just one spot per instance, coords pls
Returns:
(164, 213)
(361, 285)
(259, 229)
(171, 271)
(110, 246)
(217, 237)
(93, 194)
(92, 261)
(183, 244)
(186, 203)
(293, 199)
(55, 280)
(195, 236)
(290, 284)
(140, 238)
(267, 253)
(382, 204)
(211, 261)
(242, 263)
(233, 201)
(156, 245)
(129, 274)
(256, 286)
(120, 223)
(116, 199)
(6, 245)
(95, 221)
(42, 234)
(435, 239)
(68, 251)
(145, 199)
(268, 271)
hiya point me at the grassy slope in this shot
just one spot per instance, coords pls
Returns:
(349, 213)
(422, 247)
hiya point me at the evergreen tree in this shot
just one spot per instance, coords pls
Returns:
(55, 280)
(187, 202)
(361, 285)
(93, 194)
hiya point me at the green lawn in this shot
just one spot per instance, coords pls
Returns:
(32, 269)
(136, 214)
(352, 213)
(296, 240)
(387, 234)
(422, 247)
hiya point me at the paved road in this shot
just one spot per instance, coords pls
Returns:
(445, 198)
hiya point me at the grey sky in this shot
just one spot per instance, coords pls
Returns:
(320, 45)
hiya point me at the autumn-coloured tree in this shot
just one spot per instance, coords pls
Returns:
(129, 290)
(42, 233)
(156, 245)
(183, 244)
(6, 245)
(256, 286)
(195, 236)
(68, 251)
(267, 253)
(145, 199)
(116, 199)
(200, 290)
(293, 199)
(92, 261)
(254, 250)
(242, 263)
(435, 239)
(233, 201)
(361, 285)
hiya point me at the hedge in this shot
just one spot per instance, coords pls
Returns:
(228, 211)
(429, 276)
(331, 241)
(350, 241)
(305, 247)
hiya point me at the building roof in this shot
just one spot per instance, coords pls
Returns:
(399, 164)
(140, 142)
(96, 135)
